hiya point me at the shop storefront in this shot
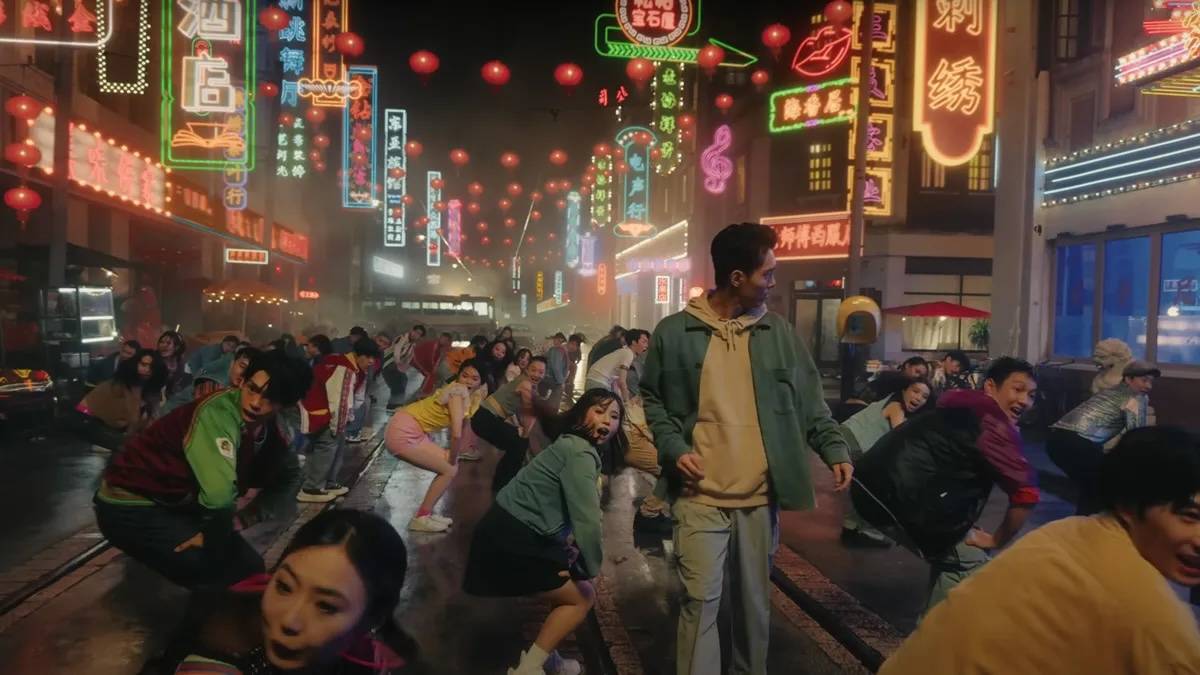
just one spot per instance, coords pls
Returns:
(653, 277)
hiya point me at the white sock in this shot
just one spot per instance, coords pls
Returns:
(535, 657)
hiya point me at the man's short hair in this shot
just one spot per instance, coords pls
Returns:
(290, 378)
(231, 338)
(741, 246)
(367, 348)
(635, 334)
(1151, 466)
(420, 327)
(322, 343)
(133, 344)
(960, 357)
(616, 330)
(577, 338)
(914, 361)
(539, 359)
(1004, 367)
(447, 334)
(359, 331)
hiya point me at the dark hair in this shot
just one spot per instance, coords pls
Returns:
(180, 343)
(367, 348)
(741, 246)
(478, 364)
(231, 338)
(127, 372)
(380, 558)
(577, 337)
(616, 330)
(1149, 467)
(523, 350)
(290, 378)
(246, 351)
(914, 361)
(501, 331)
(478, 341)
(486, 353)
(573, 420)
(632, 336)
(447, 335)
(132, 343)
(359, 331)
(540, 359)
(278, 345)
(1003, 367)
(322, 343)
(960, 357)
(907, 382)
(420, 327)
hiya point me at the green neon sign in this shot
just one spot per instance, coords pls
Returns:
(200, 132)
(610, 41)
(814, 105)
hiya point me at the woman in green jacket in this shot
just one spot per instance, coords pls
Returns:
(543, 536)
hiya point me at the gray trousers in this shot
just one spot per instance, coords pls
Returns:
(709, 540)
(324, 459)
(951, 569)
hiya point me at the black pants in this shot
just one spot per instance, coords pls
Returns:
(1080, 459)
(397, 382)
(149, 534)
(507, 439)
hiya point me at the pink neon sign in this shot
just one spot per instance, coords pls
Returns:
(716, 166)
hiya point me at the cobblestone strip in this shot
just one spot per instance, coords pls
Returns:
(867, 625)
(44, 596)
(615, 638)
(46, 561)
(828, 644)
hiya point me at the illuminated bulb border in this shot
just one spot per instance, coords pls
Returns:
(139, 85)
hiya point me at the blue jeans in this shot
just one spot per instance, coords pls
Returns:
(324, 460)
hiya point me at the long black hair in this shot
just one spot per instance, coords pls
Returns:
(494, 369)
(127, 372)
(177, 339)
(379, 556)
(574, 421)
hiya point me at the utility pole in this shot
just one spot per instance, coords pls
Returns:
(64, 98)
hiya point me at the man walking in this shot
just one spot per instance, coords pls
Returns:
(734, 400)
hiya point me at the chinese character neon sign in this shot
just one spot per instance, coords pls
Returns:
(601, 279)
(291, 149)
(524, 305)
(655, 23)
(879, 138)
(635, 184)
(810, 106)
(208, 84)
(717, 167)
(395, 160)
(246, 256)
(433, 230)
(516, 274)
(454, 227)
(877, 190)
(38, 17)
(667, 100)
(539, 286)
(587, 255)
(558, 286)
(571, 244)
(822, 52)
(602, 191)
(662, 290)
(812, 236)
(954, 78)
(358, 141)
(139, 81)
(291, 143)
(328, 87)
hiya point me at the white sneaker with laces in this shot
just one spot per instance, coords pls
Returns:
(426, 524)
(557, 665)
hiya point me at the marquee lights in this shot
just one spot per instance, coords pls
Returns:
(208, 87)
(395, 158)
(454, 227)
(246, 256)
(328, 87)
(140, 82)
(812, 105)
(715, 165)
(811, 236)
(433, 230)
(955, 74)
(359, 165)
(635, 184)
(601, 279)
(571, 243)
(1151, 60)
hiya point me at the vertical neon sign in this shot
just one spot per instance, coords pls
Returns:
(715, 165)
(358, 141)
(454, 227)
(140, 81)
(572, 252)
(524, 305)
(602, 191)
(433, 231)
(327, 86)
(667, 101)
(395, 159)
(634, 221)
(587, 255)
(291, 146)
(558, 286)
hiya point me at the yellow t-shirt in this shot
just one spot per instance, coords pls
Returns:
(433, 412)
(1073, 596)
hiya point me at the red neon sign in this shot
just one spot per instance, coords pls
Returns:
(308, 295)
(601, 279)
(822, 52)
(815, 236)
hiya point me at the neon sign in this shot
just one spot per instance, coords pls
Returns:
(208, 68)
(810, 106)
(140, 81)
(235, 196)
(387, 268)
(655, 23)
(667, 101)
(358, 141)
(558, 286)
(601, 279)
(602, 191)
(883, 28)
(610, 41)
(822, 52)
(288, 242)
(395, 159)
(308, 295)
(571, 246)
(37, 18)
(291, 141)
(539, 286)
(516, 274)
(662, 289)
(454, 227)
(877, 190)
(246, 256)
(328, 87)
(954, 79)
(1159, 64)
(881, 81)
(879, 138)
(291, 154)
(587, 255)
(524, 306)
(433, 230)
(246, 224)
(717, 167)
(811, 236)
(635, 188)
(103, 165)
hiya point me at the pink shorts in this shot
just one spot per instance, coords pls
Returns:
(404, 432)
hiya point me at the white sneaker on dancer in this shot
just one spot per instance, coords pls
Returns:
(526, 666)
(557, 665)
(442, 519)
(427, 524)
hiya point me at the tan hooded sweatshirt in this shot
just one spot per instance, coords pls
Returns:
(727, 435)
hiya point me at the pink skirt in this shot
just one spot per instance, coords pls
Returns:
(404, 432)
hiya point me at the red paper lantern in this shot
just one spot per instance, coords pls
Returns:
(558, 157)
(838, 12)
(408, 200)
(475, 188)
(535, 216)
(655, 154)
(349, 45)
(485, 240)
(268, 89)
(561, 204)
(439, 206)
(481, 226)
(564, 185)
(397, 212)
(618, 153)
(424, 63)
(274, 18)
(315, 156)
(437, 183)
(724, 102)
(362, 133)
(640, 71)
(622, 167)
(568, 76)
(315, 115)
(535, 196)
(514, 189)
(23, 107)
(473, 208)
(585, 191)
(505, 203)
(709, 57)
(414, 148)
(22, 200)
(552, 236)
(508, 241)
(686, 121)
(510, 222)
(530, 239)
(22, 154)
(423, 221)
(510, 160)
(760, 78)
(495, 73)
(396, 172)
(689, 134)
(551, 187)
(319, 166)
(775, 37)
(459, 157)
(287, 119)
(321, 141)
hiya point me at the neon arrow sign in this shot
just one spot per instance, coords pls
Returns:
(610, 41)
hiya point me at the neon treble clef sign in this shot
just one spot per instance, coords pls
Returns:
(716, 166)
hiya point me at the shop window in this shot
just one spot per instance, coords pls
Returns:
(1179, 299)
(820, 167)
(1074, 300)
(938, 333)
(979, 170)
(1070, 29)
(933, 175)
(1126, 292)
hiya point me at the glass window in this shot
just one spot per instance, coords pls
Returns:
(820, 167)
(1066, 28)
(933, 175)
(1179, 299)
(979, 170)
(1126, 292)
(1074, 299)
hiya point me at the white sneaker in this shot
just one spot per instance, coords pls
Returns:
(469, 456)
(426, 524)
(442, 519)
(557, 665)
(315, 496)
(518, 670)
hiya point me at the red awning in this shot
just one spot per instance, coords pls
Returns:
(939, 309)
